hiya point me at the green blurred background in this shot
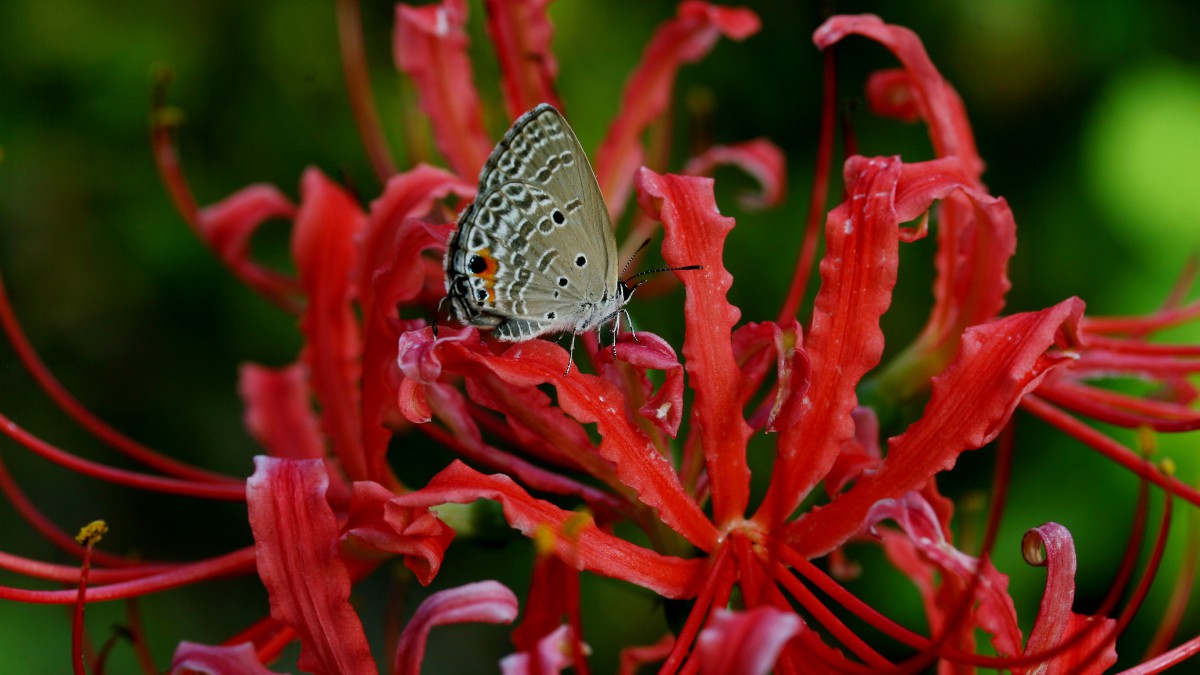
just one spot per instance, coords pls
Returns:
(1088, 115)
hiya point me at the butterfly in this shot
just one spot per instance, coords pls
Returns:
(535, 253)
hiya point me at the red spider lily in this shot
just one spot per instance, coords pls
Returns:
(326, 509)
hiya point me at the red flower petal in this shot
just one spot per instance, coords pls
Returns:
(997, 365)
(936, 101)
(663, 408)
(890, 94)
(521, 34)
(480, 602)
(684, 39)
(323, 245)
(278, 412)
(553, 654)
(760, 158)
(1052, 545)
(296, 543)
(553, 589)
(745, 643)
(416, 534)
(695, 235)
(430, 45)
(578, 542)
(239, 659)
(227, 227)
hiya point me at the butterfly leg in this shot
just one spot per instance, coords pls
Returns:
(629, 320)
(570, 356)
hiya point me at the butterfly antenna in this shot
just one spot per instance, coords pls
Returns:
(662, 269)
(634, 256)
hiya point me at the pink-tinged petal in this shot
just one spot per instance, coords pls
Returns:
(664, 408)
(890, 94)
(296, 541)
(323, 245)
(922, 549)
(1051, 545)
(695, 234)
(377, 521)
(521, 35)
(578, 541)
(857, 455)
(192, 658)
(480, 602)
(279, 411)
(684, 39)
(934, 98)
(997, 365)
(227, 227)
(760, 158)
(845, 341)
(745, 643)
(553, 655)
(430, 46)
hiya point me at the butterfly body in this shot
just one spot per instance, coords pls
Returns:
(535, 252)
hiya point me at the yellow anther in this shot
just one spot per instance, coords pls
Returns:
(91, 533)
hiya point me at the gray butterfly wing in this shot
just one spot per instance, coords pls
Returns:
(535, 252)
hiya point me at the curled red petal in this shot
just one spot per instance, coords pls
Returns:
(196, 659)
(934, 98)
(857, 455)
(323, 245)
(296, 542)
(664, 407)
(521, 35)
(430, 46)
(578, 541)
(695, 234)
(418, 535)
(228, 225)
(683, 39)
(997, 365)
(745, 643)
(760, 158)
(480, 602)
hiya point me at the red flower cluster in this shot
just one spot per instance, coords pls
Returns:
(326, 509)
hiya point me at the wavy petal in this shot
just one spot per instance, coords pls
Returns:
(758, 157)
(196, 659)
(418, 535)
(227, 227)
(578, 541)
(521, 34)
(997, 365)
(296, 541)
(480, 602)
(695, 235)
(684, 39)
(430, 46)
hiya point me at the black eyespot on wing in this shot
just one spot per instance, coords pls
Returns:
(581, 260)
(562, 281)
(550, 315)
(558, 217)
(481, 294)
(477, 264)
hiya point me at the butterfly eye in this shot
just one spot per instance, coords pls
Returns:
(558, 217)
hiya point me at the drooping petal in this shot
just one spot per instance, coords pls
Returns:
(227, 227)
(579, 542)
(278, 410)
(418, 535)
(196, 659)
(760, 158)
(430, 46)
(745, 643)
(480, 602)
(890, 94)
(684, 39)
(521, 34)
(296, 541)
(664, 407)
(323, 245)
(695, 234)
(997, 365)
(552, 654)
